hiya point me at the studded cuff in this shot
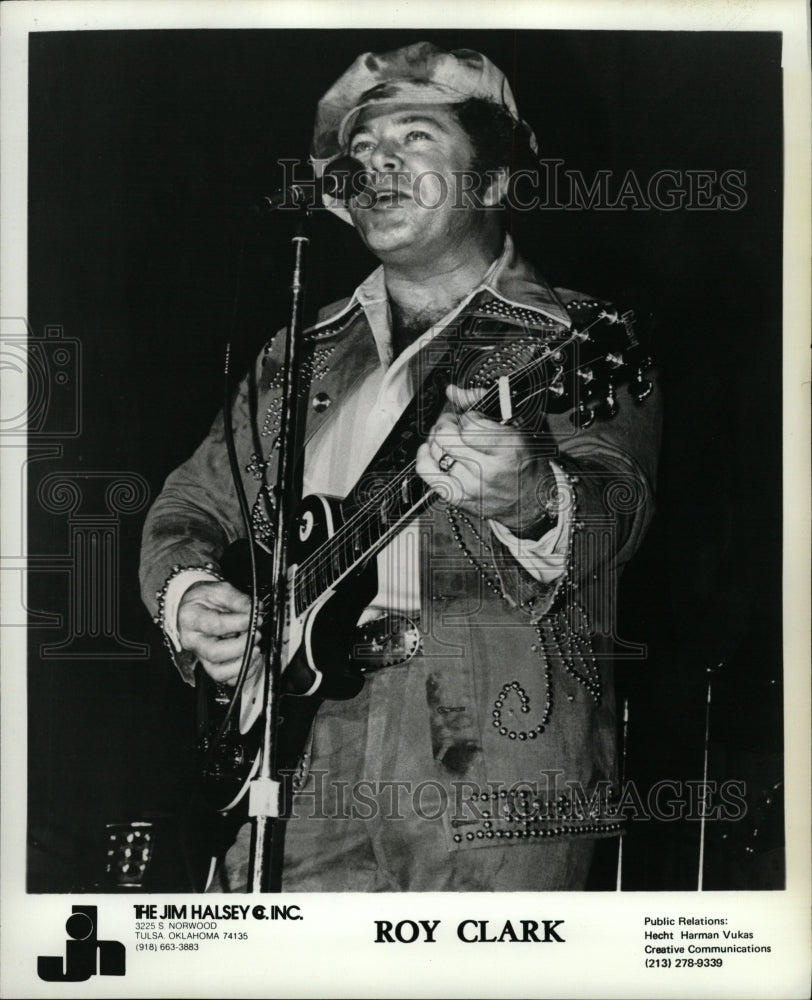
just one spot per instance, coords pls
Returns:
(169, 597)
(174, 589)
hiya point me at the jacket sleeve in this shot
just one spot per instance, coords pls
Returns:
(197, 514)
(611, 470)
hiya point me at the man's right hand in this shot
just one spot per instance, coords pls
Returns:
(213, 621)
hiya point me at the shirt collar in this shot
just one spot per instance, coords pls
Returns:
(514, 280)
(510, 278)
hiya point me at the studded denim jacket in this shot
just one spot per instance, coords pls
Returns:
(516, 690)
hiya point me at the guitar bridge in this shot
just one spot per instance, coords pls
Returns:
(388, 641)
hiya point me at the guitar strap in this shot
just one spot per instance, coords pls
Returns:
(436, 365)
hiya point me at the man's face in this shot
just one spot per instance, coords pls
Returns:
(415, 155)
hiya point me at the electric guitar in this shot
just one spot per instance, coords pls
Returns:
(332, 574)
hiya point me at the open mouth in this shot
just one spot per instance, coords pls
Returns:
(389, 199)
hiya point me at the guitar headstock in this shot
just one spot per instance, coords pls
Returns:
(601, 356)
(582, 369)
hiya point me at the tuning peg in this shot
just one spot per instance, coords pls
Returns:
(555, 387)
(640, 387)
(582, 417)
(610, 406)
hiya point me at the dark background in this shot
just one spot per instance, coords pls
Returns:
(143, 145)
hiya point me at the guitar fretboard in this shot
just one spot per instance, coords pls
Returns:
(390, 493)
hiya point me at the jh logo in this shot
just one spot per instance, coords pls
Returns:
(85, 955)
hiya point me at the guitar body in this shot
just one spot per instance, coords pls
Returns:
(317, 660)
(332, 545)
(322, 638)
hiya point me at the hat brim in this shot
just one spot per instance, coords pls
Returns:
(408, 92)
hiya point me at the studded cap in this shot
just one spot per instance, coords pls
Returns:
(416, 74)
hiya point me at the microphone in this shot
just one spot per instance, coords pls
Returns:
(342, 179)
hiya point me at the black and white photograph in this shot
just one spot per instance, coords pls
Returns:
(400, 501)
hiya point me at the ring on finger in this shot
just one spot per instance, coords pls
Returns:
(445, 462)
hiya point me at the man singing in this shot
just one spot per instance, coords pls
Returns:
(486, 760)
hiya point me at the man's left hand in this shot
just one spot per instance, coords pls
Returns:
(486, 468)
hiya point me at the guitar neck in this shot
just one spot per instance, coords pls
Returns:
(386, 497)
(580, 369)
(389, 494)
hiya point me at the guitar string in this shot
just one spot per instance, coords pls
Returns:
(308, 572)
(362, 519)
(310, 568)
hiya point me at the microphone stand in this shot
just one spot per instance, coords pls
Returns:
(265, 789)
